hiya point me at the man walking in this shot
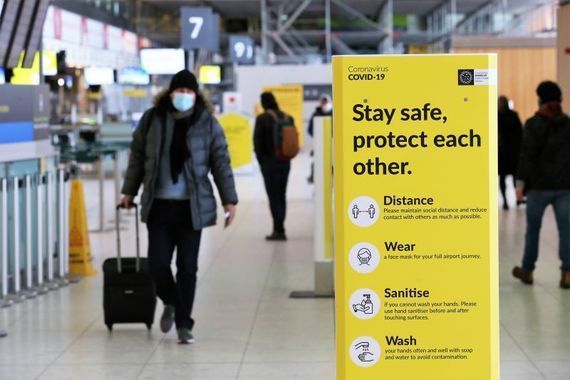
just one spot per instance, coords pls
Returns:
(544, 174)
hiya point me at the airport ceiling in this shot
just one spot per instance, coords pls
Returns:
(371, 8)
(156, 19)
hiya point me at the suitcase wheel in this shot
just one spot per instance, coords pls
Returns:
(110, 327)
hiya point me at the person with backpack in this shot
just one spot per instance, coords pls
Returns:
(276, 142)
(177, 144)
(544, 174)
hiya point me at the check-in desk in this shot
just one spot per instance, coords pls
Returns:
(33, 198)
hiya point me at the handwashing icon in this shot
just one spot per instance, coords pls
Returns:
(365, 356)
(365, 351)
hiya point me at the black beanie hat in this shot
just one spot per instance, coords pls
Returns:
(183, 79)
(549, 91)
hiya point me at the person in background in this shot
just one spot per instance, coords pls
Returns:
(544, 173)
(275, 172)
(176, 145)
(510, 136)
(324, 108)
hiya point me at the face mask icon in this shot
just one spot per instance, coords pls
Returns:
(364, 256)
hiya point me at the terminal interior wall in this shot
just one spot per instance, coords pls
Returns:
(564, 53)
(250, 81)
(520, 71)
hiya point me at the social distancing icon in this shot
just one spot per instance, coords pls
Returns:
(363, 211)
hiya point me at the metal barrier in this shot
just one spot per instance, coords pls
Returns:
(27, 261)
(62, 280)
(17, 295)
(29, 292)
(50, 198)
(4, 301)
(41, 181)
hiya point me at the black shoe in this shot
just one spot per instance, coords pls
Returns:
(185, 336)
(505, 206)
(167, 319)
(276, 236)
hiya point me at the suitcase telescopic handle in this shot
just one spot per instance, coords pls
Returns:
(118, 228)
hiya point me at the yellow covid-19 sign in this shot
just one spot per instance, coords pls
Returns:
(238, 132)
(416, 239)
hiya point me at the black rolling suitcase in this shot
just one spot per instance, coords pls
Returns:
(129, 295)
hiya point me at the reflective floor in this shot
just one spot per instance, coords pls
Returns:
(247, 327)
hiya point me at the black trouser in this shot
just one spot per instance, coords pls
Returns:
(276, 175)
(503, 187)
(170, 226)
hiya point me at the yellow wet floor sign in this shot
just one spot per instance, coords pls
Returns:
(80, 259)
(416, 239)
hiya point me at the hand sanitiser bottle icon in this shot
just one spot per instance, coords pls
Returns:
(366, 306)
(364, 303)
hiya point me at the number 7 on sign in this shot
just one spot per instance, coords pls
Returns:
(197, 22)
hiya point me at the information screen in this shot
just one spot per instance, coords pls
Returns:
(210, 74)
(162, 61)
(134, 76)
(99, 76)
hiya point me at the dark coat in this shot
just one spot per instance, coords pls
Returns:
(545, 154)
(318, 112)
(510, 137)
(208, 153)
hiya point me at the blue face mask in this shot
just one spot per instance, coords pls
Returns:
(183, 102)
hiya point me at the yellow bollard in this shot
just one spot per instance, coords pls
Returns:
(80, 259)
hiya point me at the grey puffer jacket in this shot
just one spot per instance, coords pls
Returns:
(208, 152)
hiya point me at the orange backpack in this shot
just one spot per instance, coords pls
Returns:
(286, 137)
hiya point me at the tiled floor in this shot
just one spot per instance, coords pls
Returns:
(247, 327)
